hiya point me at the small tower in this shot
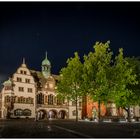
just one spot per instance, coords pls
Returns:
(23, 63)
(8, 97)
(46, 67)
(8, 85)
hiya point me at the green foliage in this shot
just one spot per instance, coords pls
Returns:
(134, 63)
(69, 85)
(97, 72)
(123, 76)
(107, 79)
(102, 77)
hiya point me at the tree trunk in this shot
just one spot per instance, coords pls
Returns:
(76, 110)
(128, 113)
(99, 111)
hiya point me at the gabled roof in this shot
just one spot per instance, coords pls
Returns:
(40, 79)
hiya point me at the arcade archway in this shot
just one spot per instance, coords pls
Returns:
(41, 114)
(52, 114)
(62, 114)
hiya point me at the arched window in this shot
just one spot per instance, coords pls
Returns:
(50, 99)
(40, 98)
(18, 112)
(27, 112)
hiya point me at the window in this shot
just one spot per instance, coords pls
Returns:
(18, 100)
(25, 72)
(22, 100)
(27, 80)
(50, 99)
(27, 112)
(13, 99)
(46, 99)
(7, 99)
(21, 71)
(19, 79)
(30, 90)
(18, 112)
(40, 98)
(74, 112)
(29, 100)
(21, 89)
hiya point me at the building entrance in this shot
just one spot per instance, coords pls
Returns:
(62, 114)
(52, 114)
(41, 114)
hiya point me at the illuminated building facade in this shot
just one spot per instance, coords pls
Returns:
(31, 93)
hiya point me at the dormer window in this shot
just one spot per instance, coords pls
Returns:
(21, 71)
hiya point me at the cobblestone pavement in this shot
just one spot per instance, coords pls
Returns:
(67, 129)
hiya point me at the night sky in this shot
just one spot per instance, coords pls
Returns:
(30, 29)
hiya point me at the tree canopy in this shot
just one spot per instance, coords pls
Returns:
(102, 76)
(69, 85)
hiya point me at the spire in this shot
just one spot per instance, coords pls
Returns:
(46, 66)
(23, 62)
(46, 54)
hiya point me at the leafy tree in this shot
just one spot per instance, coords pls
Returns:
(134, 63)
(111, 80)
(123, 78)
(96, 75)
(70, 86)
